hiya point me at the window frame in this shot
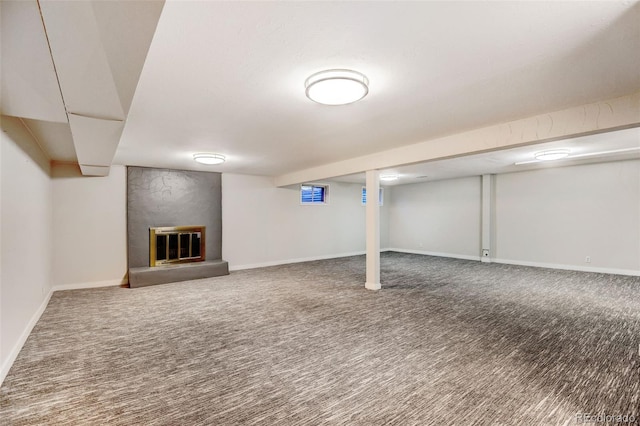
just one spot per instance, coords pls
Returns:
(380, 196)
(326, 191)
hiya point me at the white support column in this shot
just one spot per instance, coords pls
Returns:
(488, 217)
(373, 230)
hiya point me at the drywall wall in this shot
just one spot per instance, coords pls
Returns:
(25, 234)
(555, 217)
(559, 216)
(89, 228)
(262, 224)
(265, 225)
(163, 197)
(439, 218)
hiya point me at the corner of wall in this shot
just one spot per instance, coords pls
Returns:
(17, 347)
(26, 198)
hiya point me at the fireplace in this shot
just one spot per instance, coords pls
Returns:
(169, 245)
(168, 254)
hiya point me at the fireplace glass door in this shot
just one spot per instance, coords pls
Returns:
(176, 244)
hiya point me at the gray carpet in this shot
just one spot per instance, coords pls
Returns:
(445, 342)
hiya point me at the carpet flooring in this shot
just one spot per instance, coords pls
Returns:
(445, 342)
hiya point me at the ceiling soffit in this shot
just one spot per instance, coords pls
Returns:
(29, 85)
(77, 63)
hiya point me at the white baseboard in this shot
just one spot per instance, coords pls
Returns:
(93, 284)
(334, 256)
(13, 354)
(6, 366)
(580, 268)
(434, 253)
(297, 260)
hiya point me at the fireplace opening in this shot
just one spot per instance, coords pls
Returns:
(176, 244)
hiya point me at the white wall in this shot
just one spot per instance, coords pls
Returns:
(558, 216)
(89, 228)
(263, 224)
(439, 218)
(25, 234)
(552, 217)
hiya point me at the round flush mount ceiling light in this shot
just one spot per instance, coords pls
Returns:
(336, 87)
(389, 177)
(208, 158)
(553, 154)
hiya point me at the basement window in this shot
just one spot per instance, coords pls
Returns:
(380, 196)
(314, 194)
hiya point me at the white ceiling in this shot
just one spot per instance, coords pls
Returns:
(54, 138)
(228, 77)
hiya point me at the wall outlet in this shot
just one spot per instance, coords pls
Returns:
(485, 253)
(587, 259)
(420, 245)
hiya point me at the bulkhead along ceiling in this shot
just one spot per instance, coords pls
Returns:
(150, 83)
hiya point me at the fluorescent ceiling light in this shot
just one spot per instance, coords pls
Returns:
(389, 177)
(553, 154)
(208, 158)
(336, 87)
(589, 154)
(613, 151)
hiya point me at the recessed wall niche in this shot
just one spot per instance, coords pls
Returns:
(172, 198)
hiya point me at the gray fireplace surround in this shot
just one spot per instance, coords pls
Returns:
(163, 197)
